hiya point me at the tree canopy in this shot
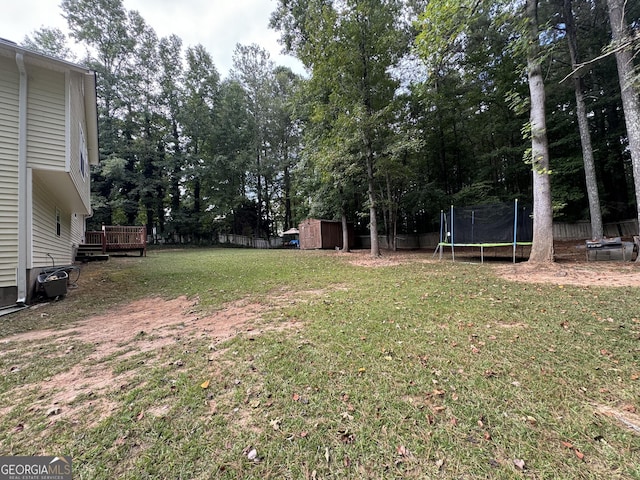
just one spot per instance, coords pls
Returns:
(407, 107)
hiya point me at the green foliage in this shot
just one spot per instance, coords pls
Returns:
(431, 95)
(50, 41)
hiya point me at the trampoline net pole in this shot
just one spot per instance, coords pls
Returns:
(453, 253)
(515, 228)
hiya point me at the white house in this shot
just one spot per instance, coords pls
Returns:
(48, 139)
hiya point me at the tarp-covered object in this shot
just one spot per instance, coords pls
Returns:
(489, 224)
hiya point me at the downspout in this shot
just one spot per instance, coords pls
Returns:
(21, 274)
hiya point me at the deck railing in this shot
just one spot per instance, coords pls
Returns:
(114, 238)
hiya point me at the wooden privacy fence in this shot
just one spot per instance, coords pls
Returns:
(116, 238)
(245, 241)
(582, 230)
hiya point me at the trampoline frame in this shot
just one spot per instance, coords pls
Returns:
(442, 243)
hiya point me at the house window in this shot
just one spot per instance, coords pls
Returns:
(84, 157)
(58, 227)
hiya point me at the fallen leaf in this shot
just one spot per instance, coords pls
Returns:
(303, 434)
(567, 444)
(205, 384)
(18, 428)
(579, 454)
(362, 370)
(440, 463)
(295, 397)
(402, 451)
(275, 423)
(140, 416)
(519, 463)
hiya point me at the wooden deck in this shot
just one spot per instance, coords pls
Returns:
(115, 238)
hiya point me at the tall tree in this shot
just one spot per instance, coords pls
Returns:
(286, 131)
(201, 87)
(349, 47)
(595, 212)
(630, 101)
(254, 70)
(542, 248)
(171, 100)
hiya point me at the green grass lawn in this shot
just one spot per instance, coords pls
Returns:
(419, 370)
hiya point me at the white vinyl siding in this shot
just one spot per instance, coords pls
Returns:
(9, 88)
(77, 128)
(77, 229)
(45, 238)
(46, 120)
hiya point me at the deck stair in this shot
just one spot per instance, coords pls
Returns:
(90, 253)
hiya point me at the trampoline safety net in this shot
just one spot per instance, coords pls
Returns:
(489, 224)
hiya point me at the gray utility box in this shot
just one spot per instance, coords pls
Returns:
(53, 284)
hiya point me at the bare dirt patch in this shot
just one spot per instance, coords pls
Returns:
(571, 266)
(146, 325)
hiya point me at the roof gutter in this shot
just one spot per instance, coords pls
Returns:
(21, 274)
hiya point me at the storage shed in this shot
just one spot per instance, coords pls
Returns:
(319, 234)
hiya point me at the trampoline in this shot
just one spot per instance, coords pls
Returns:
(485, 226)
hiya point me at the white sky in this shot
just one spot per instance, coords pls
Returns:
(216, 24)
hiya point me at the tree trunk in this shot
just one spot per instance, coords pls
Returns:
(542, 248)
(176, 170)
(373, 221)
(258, 231)
(392, 238)
(345, 233)
(630, 103)
(288, 217)
(595, 213)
